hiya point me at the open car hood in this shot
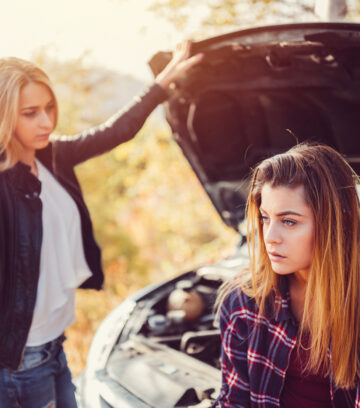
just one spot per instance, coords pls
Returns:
(258, 92)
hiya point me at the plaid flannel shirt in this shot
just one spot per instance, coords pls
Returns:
(255, 357)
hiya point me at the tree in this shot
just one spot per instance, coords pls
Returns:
(204, 18)
(215, 16)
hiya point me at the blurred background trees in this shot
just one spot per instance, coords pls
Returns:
(215, 16)
(151, 216)
(210, 17)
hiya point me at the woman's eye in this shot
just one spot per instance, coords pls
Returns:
(289, 223)
(263, 219)
(30, 113)
(50, 107)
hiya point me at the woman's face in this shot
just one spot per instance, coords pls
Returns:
(288, 229)
(36, 120)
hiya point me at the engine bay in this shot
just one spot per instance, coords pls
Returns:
(169, 349)
(182, 316)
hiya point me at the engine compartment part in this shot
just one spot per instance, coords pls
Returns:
(184, 299)
(160, 376)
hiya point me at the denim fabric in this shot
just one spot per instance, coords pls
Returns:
(43, 379)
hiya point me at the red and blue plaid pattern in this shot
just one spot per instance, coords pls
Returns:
(256, 353)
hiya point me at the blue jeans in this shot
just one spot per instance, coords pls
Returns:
(42, 381)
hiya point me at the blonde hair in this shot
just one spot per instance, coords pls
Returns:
(332, 306)
(15, 73)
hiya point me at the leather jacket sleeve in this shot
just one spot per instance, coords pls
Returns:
(120, 128)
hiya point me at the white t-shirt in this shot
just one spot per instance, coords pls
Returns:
(62, 262)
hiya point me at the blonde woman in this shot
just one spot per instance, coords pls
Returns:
(290, 328)
(47, 247)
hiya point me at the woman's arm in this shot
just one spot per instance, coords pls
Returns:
(120, 128)
(124, 125)
(235, 390)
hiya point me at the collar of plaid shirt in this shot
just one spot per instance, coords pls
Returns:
(256, 353)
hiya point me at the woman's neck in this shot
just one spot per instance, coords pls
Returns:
(300, 278)
(28, 157)
(297, 287)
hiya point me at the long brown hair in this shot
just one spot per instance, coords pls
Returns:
(15, 73)
(332, 306)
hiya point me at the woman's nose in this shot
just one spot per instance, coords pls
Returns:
(272, 233)
(46, 120)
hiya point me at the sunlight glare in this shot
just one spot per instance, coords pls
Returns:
(121, 34)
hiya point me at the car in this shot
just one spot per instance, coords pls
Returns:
(256, 93)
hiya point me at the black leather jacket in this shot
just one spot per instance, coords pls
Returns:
(21, 218)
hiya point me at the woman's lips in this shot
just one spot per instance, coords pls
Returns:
(275, 257)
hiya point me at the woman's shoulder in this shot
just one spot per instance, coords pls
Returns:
(238, 305)
(238, 297)
(237, 313)
(5, 174)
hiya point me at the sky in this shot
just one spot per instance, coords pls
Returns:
(121, 35)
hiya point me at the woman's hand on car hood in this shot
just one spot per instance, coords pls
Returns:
(180, 63)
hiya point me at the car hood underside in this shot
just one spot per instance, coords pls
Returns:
(257, 93)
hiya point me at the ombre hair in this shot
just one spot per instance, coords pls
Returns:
(332, 306)
(15, 73)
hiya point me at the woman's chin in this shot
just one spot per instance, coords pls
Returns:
(281, 270)
(41, 144)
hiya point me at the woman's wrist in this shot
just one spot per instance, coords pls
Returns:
(164, 82)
